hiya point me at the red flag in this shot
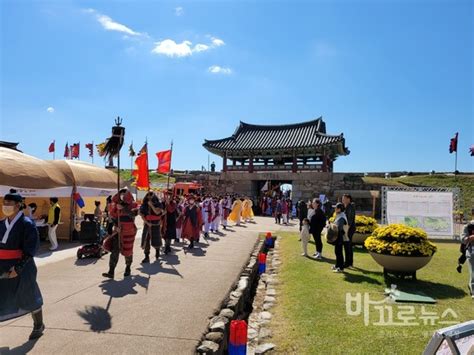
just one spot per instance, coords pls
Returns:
(142, 179)
(164, 161)
(75, 151)
(453, 145)
(90, 146)
(51, 147)
(66, 151)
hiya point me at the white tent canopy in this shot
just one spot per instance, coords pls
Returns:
(33, 177)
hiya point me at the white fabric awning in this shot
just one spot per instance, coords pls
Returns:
(25, 192)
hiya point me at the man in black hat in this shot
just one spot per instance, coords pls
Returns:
(19, 242)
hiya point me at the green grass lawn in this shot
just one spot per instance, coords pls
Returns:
(126, 175)
(311, 318)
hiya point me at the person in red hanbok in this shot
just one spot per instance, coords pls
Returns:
(192, 222)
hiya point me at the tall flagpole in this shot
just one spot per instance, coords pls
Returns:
(92, 152)
(54, 150)
(131, 159)
(147, 163)
(456, 161)
(169, 172)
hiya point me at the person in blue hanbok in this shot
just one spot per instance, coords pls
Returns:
(19, 242)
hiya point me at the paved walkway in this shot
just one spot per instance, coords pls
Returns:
(163, 308)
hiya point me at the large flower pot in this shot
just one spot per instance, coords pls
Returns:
(401, 263)
(359, 238)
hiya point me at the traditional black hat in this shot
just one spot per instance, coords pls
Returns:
(16, 197)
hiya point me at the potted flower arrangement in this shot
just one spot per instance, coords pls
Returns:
(399, 248)
(365, 226)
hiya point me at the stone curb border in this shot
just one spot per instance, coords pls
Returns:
(259, 334)
(236, 305)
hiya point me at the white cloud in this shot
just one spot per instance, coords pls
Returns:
(215, 69)
(111, 25)
(216, 42)
(179, 11)
(200, 47)
(50, 109)
(170, 48)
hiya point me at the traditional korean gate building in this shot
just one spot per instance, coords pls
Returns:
(301, 154)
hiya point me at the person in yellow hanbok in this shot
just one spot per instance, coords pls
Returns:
(235, 215)
(247, 213)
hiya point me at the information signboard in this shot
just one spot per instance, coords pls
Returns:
(431, 211)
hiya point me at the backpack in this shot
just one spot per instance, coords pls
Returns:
(332, 232)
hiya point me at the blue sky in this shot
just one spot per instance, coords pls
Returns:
(395, 76)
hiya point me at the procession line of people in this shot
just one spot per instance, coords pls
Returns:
(172, 219)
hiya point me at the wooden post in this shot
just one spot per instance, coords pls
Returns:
(251, 164)
(374, 201)
(224, 162)
(295, 163)
(325, 165)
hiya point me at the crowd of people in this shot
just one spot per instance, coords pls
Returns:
(167, 219)
(278, 206)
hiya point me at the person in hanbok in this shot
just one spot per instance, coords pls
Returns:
(284, 211)
(192, 222)
(207, 214)
(216, 215)
(226, 207)
(170, 225)
(19, 242)
(247, 213)
(236, 214)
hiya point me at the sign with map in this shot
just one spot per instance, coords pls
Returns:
(431, 211)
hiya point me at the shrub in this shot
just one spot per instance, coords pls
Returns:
(398, 239)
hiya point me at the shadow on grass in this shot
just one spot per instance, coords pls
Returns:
(359, 250)
(361, 278)
(433, 289)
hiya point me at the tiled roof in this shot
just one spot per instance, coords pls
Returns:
(250, 137)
